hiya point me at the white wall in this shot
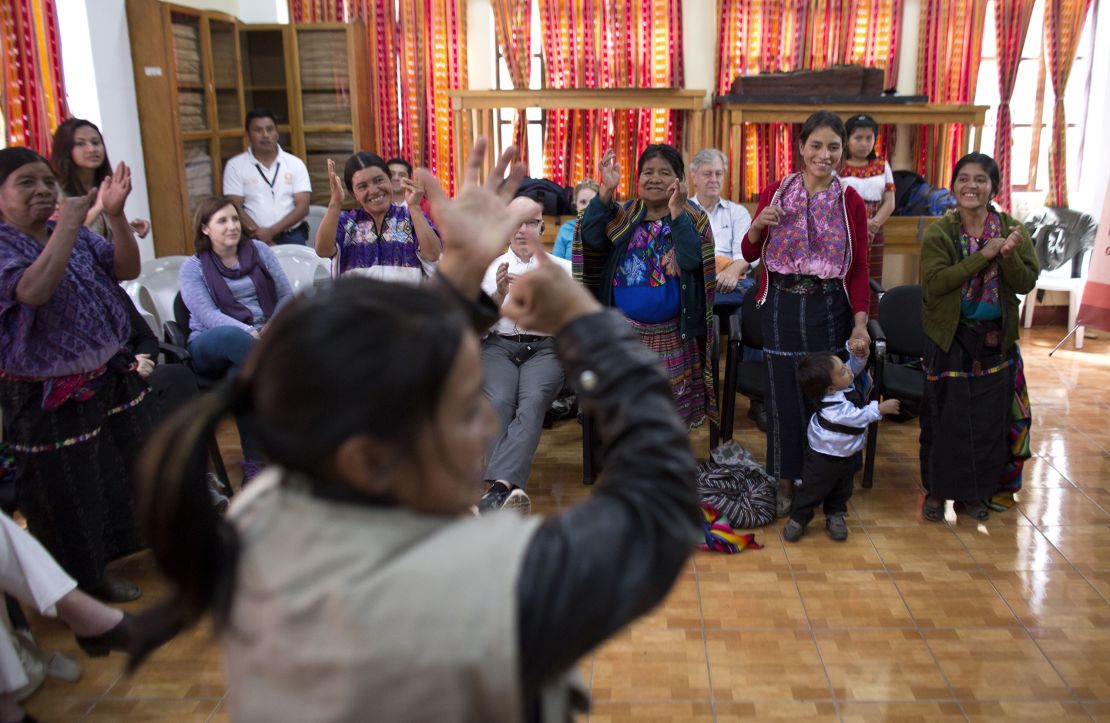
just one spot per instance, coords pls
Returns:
(100, 86)
(699, 48)
(1090, 192)
(480, 56)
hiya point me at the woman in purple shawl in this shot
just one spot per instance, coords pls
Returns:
(232, 288)
(74, 407)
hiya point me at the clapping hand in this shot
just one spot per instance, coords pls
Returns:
(768, 217)
(503, 279)
(677, 201)
(1011, 243)
(610, 172)
(140, 226)
(73, 209)
(414, 192)
(336, 185)
(114, 190)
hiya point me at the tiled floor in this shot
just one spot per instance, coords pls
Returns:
(1006, 620)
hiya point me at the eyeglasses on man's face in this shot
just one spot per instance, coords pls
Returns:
(533, 222)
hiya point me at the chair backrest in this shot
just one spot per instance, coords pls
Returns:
(315, 216)
(160, 277)
(144, 302)
(302, 266)
(900, 317)
(751, 322)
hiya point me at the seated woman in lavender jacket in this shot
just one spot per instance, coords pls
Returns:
(232, 287)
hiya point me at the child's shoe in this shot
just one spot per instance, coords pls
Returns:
(793, 531)
(836, 527)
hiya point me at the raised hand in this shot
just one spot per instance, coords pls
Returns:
(478, 222)
(610, 172)
(414, 192)
(336, 185)
(115, 189)
(677, 201)
(547, 298)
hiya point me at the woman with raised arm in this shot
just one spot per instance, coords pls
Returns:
(75, 408)
(652, 258)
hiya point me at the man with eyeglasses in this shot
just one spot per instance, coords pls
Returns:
(522, 374)
(730, 222)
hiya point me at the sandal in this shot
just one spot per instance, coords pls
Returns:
(974, 509)
(932, 509)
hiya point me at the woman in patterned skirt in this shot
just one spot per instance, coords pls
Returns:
(652, 258)
(74, 406)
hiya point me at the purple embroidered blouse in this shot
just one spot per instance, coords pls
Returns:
(388, 256)
(811, 237)
(83, 324)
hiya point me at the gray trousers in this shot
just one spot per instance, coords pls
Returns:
(521, 396)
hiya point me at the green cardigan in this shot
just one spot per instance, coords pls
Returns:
(943, 274)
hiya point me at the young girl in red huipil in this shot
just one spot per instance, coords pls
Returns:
(873, 180)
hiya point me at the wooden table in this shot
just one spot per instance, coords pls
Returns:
(481, 104)
(739, 113)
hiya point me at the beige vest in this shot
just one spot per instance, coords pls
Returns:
(353, 613)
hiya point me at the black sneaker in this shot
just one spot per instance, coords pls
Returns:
(836, 527)
(502, 496)
(793, 531)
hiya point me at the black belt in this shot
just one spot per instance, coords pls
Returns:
(837, 427)
(524, 338)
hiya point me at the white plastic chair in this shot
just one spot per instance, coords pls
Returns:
(302, 266)
(160, 277)
(315, 216)
(1050, 281)
(144, 302)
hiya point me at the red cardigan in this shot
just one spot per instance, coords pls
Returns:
(857, 281)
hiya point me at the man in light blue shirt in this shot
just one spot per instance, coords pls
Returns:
(730, 221)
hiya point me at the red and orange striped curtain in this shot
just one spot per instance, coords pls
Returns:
(609, 44)
(512, 22)
(34, 97)
(1063, 22)
(421, 55)
(949, 49)
(1011, 23)
(764, 36)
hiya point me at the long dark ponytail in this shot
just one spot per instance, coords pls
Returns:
(193, 545)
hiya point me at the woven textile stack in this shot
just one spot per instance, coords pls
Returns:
(198, 171)
(323, 59)
(324, 107)
(186, 50)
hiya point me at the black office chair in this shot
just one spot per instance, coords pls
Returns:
(898, 339)
(591, 452)
(175, 349)
(742, 377)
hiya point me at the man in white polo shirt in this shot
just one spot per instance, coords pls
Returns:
(269, 186)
